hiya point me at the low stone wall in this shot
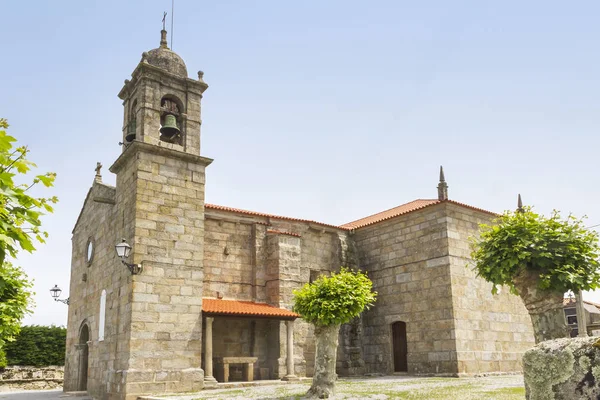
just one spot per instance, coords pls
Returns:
(31, 378)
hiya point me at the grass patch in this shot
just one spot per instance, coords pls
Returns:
(497, 388)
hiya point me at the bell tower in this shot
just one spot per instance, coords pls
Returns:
(160, 213)
(161, 103)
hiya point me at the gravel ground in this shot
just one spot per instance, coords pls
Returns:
(55, 394)
(507, 387)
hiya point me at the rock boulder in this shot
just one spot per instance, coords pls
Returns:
(563, 369)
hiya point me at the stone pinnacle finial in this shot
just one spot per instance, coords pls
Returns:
(520, 208)
(98, 177)
(442, 186)
(163, 39)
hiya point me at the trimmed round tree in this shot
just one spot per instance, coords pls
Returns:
(327, 303)
(539, 258)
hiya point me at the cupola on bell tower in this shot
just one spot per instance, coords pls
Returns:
(161, 103)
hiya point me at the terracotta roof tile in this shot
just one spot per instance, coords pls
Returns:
(570, 301)
(258, 214)
(370, 220)
(391, 213)
(245, 309)
(567, 301)
(275, 231)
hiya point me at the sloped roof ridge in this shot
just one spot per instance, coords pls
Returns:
(105, 185)
(571, 300)
(366, 221)
(260, 214)
(245, 308)
(356, 224)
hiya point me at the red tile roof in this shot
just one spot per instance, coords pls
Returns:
(258, 214)
(245, 309)
(370, 220)
(567, 301)
(405, 209)
(275, 231)
(570, 301)
(392, 212)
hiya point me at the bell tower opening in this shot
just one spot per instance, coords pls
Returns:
(171, 111)
(162, 104)
(132, 124)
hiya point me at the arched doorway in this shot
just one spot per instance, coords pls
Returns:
(400, 347)
(82, 347)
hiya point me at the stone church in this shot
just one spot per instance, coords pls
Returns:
(205, 293)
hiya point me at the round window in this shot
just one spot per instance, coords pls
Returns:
(89, 252)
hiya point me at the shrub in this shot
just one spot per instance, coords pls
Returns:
(37, 346)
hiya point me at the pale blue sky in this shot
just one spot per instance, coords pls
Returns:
(327, 110)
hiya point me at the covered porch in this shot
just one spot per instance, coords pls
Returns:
(245, 341)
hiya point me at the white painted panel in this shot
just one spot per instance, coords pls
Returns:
(102, 316)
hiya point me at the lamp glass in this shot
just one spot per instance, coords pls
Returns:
(123, 249)
(55, 292)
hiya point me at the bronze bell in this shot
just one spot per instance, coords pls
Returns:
(169, 129)
(130, 131)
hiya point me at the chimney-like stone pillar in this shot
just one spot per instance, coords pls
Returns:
(442, 186)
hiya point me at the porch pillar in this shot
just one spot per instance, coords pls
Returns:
(290, 352)
(580, 310)
(209, 379)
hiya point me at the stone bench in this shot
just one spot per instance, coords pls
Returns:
(222, 364)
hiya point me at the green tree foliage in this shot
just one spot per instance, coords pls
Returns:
(15, 296)
(335, 299)
(19, 228)
(2, 359)
(37, 346)
(327, 303)
(561, 251)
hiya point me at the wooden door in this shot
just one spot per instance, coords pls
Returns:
(400, 347)
(84, 337)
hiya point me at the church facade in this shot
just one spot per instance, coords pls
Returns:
(206, 292)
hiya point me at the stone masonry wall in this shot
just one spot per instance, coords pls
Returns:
(228, 265)
(245, 337)
(17, 378)
(492, 331)
(166, 323)
(88, 280)
(254, 258)
(406, 257)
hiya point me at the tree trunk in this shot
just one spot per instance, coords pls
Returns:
(323, 384)
(545, 307)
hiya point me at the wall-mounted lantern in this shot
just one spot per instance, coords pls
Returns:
(55, 293)
(123, 249)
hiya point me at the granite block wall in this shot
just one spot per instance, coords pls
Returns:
(492, 331)
(262, 259)
(88, 279)
(166, 302)
(406, 258)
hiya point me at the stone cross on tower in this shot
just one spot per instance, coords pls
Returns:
(442, 186)
(98, 177)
